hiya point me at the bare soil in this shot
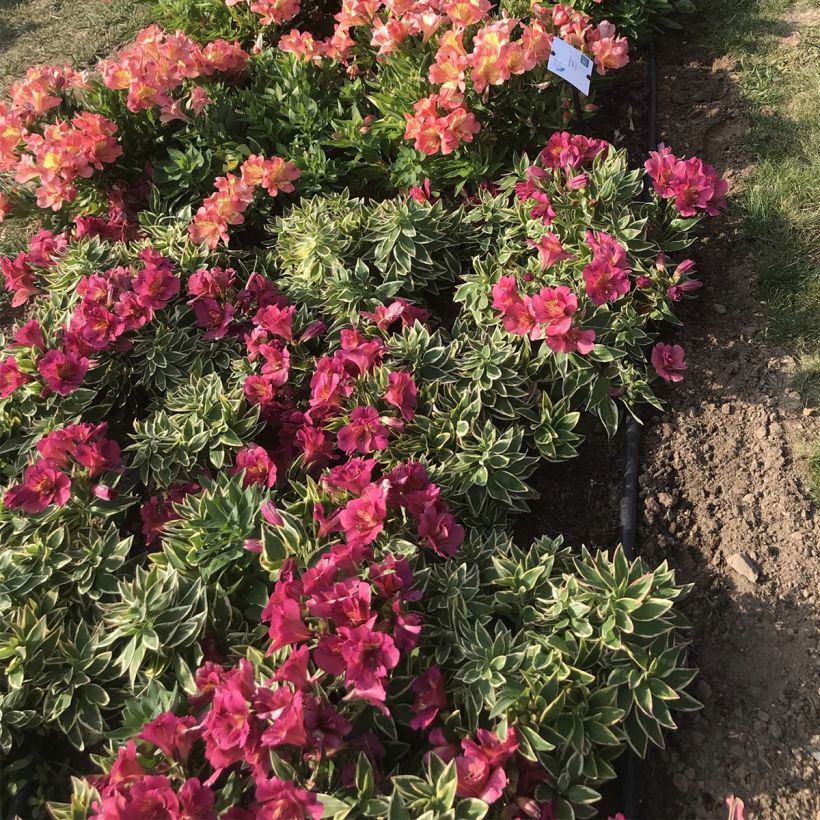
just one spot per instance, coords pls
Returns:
(724, 500)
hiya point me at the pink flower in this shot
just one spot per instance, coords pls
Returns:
(363, 518)
(359, 354)
(439, 529)
(346, 603)
(476, 778)
(367, 657)
(196, 801)
(574, 340)
(278, 321)
(693, 184)
(172, 735)
(606, 275)
(257, 465)
(430, 698)
(30, 335)
(286, 624)
(277, 363)
(227, 726)
(283, 709)
(43, 484)
(294, 670)
(668, 361)
(5, 207)
(406, 629)
(199, 100)
(63, 372)
(126, 768)
(11, 377)
(214, 317)
(155, 285)
(281, 799)
(19, 278)
(150, 796)
(554, 308)
(352, 476)
(271, 514)
(400, 308)
(402, 394)
(364, 432)
(87, 444)
(480, 767)
(550, 250)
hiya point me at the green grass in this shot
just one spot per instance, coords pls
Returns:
(777, 47)
(63, 31)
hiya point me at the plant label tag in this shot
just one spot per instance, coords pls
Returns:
(572, 65)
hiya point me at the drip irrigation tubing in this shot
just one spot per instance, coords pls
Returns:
(632, 457)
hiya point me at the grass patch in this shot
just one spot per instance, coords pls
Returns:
(777, 46)
(63, 31)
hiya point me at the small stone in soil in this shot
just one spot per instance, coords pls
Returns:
(703, 690)
(743, 565)
(718, 308)
(775, 731)
(666, 500)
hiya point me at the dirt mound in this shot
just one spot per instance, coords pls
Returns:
(723, 499)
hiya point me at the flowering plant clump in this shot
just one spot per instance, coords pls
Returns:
(302, 320)
(360, 706)
(396, 93)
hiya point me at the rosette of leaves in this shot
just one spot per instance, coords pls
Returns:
(343, 256)
(196, 426)
(209, 542)
(56, 573)
(155, 622)
(583, 654)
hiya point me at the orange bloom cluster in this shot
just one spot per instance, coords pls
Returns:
(434, 133)
(608, 50)
(235, 193)
(470, 45)
(64, 152)
(157, 63)
(271, 11)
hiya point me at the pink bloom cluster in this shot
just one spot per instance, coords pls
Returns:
(38, 93)
(349, 609)
(480, 764)
(693, 184)
(129, 791)
(332, 383)
(547, 314)
(608, 49)
(78, 450)
(271, 11)
(62, 153)
(607, 274)
(111, 304)
(571, 151)
(235, 193)
(157, 63)
(20, 275)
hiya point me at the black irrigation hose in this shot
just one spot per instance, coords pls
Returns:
(632, 457)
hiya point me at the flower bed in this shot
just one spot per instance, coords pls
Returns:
(264, 437)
